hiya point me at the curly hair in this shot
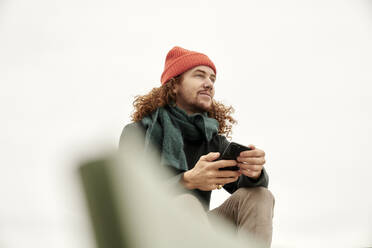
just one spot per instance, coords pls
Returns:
(161, 96)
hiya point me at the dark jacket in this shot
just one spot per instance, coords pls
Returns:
(193, 151)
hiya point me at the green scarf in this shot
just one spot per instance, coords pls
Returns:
(168, 126)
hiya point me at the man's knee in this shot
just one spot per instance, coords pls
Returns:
(257, 195)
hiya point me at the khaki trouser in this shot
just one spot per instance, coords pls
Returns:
(248, 213)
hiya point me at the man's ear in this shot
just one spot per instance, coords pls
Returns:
(175, 89)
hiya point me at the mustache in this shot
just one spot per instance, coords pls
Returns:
(207, 92)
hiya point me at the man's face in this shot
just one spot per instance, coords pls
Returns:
(195, 91)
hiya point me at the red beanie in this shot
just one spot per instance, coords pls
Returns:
(179, 60)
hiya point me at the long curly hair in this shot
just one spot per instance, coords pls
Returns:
(161, 96)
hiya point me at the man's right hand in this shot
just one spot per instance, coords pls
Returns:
(206, 174)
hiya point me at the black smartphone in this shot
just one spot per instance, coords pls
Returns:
(231, 152)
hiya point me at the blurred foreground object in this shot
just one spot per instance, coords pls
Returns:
(131, 207)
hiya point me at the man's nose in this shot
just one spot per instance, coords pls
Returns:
(208, 83)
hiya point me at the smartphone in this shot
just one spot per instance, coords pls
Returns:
(231, 152)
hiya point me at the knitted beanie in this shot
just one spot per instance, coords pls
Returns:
(179, 60)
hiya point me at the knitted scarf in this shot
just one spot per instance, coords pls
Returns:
(168, 126)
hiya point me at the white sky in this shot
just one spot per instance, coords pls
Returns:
(298, 74)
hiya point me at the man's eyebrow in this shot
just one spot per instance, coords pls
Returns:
(198, 70)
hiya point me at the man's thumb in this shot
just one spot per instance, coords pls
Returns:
(212, 156)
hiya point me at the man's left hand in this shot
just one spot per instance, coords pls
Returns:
(251, 162)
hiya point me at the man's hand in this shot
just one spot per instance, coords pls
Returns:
(251, 162)
(206, 176)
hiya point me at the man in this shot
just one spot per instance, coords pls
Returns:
(188, 126)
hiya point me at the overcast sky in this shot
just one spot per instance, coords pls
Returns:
(298, 73)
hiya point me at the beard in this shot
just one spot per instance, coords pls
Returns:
(200, 107)
(194, 105)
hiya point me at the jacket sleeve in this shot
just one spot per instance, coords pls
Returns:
(136, 131)
(131, 132)
(243, 181)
